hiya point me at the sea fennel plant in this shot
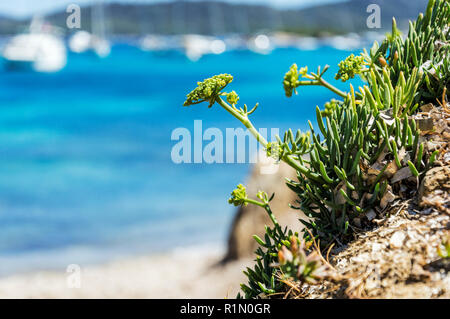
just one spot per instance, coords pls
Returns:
(366, 142)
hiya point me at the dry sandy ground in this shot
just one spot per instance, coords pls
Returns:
(187, 274)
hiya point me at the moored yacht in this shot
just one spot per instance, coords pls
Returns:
(41, 49)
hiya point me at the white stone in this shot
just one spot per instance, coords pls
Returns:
(397, 239)
(371, 215)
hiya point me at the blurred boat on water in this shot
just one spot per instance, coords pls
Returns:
(83, 41)
(349, 42)
(101, 46)
(289, 40)
(307, 44)
(195, 46)
(80, 42)
(41, 49)
(97, 42)
(158, 43)
(260, 44)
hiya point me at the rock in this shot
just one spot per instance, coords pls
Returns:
(402, 174)
(434, 189)
(357, 221)
(340, 199)
(425, 125)
(397, 240)
(370, 215)
(446, 157)
(376, 247)
(391, 169)
(387, 198)
(437, 178)
(250, 220)
(427, 107)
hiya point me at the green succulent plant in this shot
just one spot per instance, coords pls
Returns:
(350, 67)
(345, 167)
(296, 263)
(444, 247)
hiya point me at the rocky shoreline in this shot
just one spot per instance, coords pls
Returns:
(190, 273)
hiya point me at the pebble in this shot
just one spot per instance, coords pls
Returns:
(371, 215)
(397, 239)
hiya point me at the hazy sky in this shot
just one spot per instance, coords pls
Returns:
(22, 8)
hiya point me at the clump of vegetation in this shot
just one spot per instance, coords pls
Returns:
(444, 248)
(263, 277)
(298, 263)
(366, 143)
(207, 90)
(281, 257)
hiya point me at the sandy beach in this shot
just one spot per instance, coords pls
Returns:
(189, 273)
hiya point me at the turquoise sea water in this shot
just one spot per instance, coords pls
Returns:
(85, 167)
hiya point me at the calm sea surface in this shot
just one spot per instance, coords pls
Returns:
(85, 168)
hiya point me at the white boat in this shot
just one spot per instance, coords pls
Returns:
(349, 42)
(154, 43)
(260, 44)
(101, 47)
(99, 43)
(41, 50)
(195, 46)
(83, 41)
(80, 42)
(307, 43)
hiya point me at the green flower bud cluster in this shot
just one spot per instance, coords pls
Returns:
(444, 248)
(263, 196)
(294, 262)
(232, 98)
(290, 81)
(329, 107)
(208, 90)
(350, 67)
(274, 150)
(238, 196)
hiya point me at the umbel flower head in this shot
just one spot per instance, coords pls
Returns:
(350, 67)
(232, 98)
(290, 81)
(329, 107)
(238, 196)
(274, 150)
(208, 90)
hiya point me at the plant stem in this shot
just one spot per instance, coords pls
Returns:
(243, 119)
(255, 202)
(248, 124)
(274, 220)
(272, 217)
(320, 81)
(332, 88)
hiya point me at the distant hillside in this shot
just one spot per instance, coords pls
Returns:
(8, 25)
(352, 15)
(207, 17)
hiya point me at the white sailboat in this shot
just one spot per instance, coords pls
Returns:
(150, 41)
(349, 42)
(261, 44)
(99, 42)
(80, 42)
(41, 49)
(195, 46)
(83, 41)
(158, 43)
